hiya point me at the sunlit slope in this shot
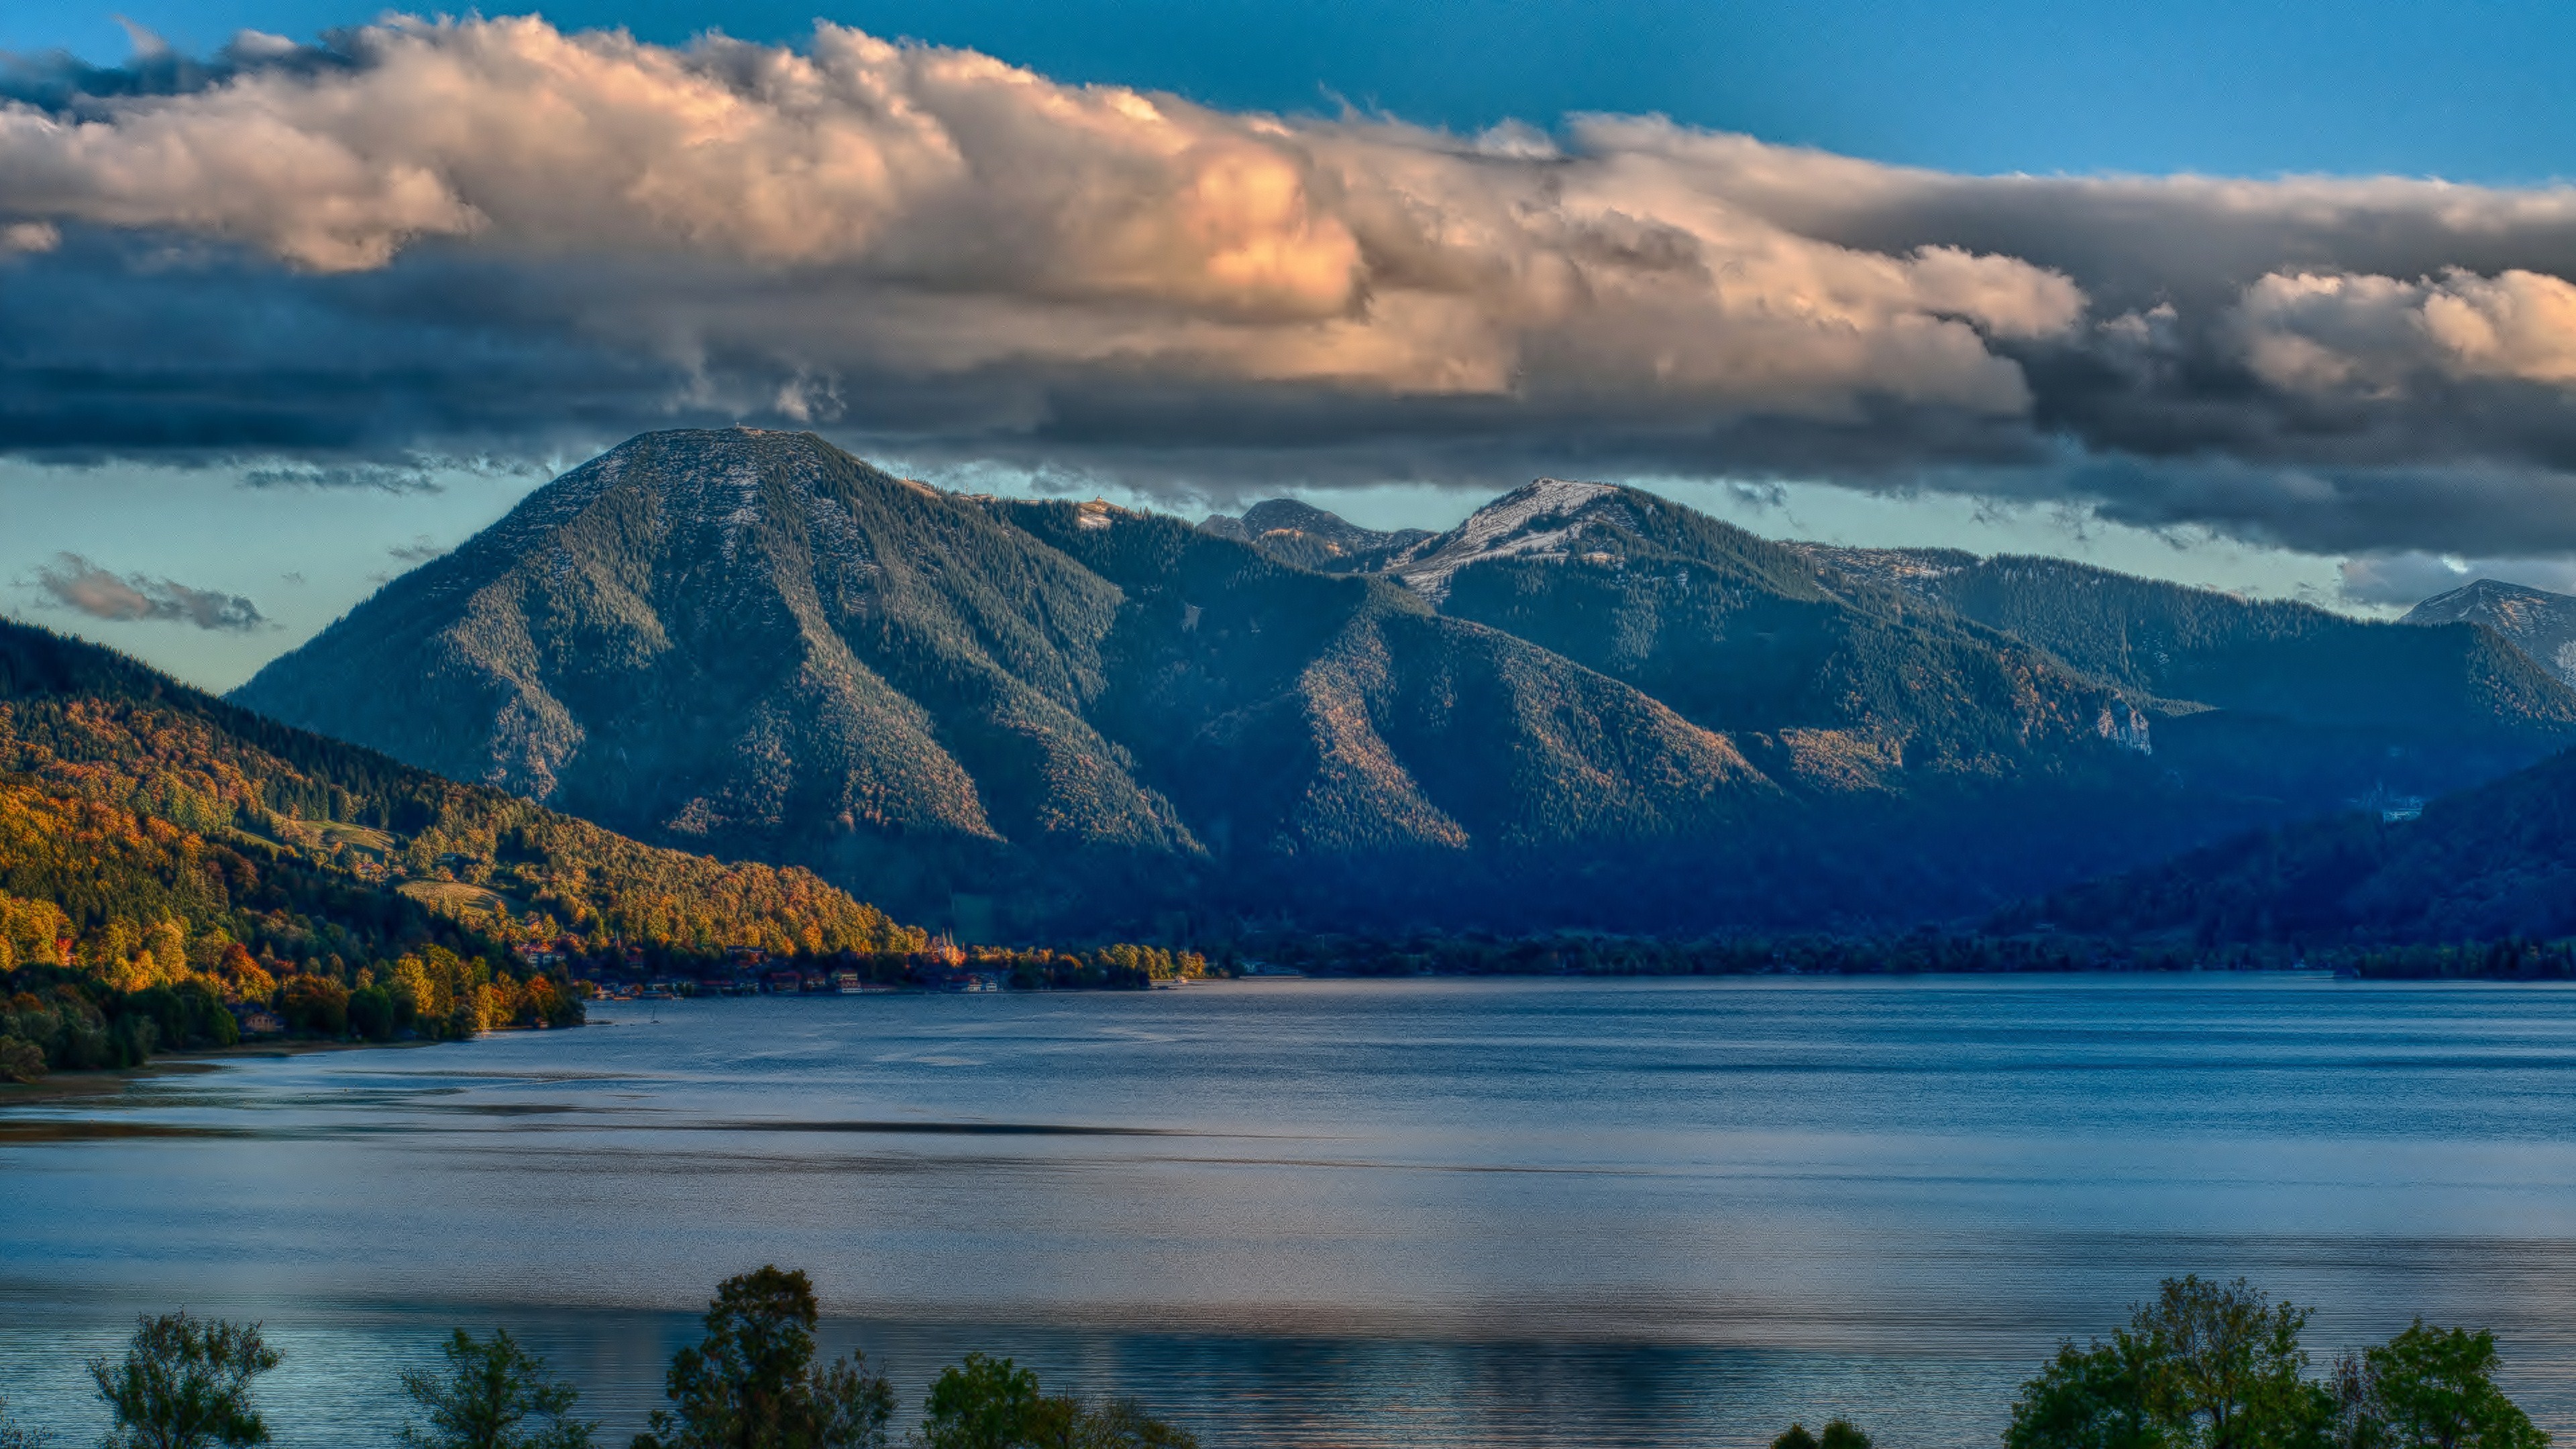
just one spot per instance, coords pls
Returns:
(227, 808)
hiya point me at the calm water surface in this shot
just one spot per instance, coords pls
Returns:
(1436, 1213)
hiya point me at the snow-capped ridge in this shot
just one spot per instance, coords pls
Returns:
(1512, 526)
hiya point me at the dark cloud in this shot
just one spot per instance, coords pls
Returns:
(419, 551)
(376, 477)
(492, 240)
(76, 583)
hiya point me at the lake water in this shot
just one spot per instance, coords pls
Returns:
(1308, 1213)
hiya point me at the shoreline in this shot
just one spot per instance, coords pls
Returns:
(55, 1085)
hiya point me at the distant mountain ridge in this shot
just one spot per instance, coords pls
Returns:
(2539, 623)
(1302, 534)
(1586, 705)
(2492, 863)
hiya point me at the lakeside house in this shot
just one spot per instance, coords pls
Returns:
(258, 1021)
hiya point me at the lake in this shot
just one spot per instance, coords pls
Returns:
(1310, 1213)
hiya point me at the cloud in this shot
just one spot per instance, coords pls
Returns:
(2377, 336)
(76, 583)
(491, 237)
(379, 477)
(419, 551)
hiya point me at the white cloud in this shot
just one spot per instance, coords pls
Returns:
(1011, 217)
(2375, 334)
(491, 238)
(75, 583)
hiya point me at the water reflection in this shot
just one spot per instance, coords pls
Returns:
(1441, 1213)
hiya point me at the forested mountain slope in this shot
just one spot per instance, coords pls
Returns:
(128, 800)
(1586, 706)
(2537, 622)
(754, 641)
(2487, 864)
(2272, 699)
(1310, 537)
(1961, 691)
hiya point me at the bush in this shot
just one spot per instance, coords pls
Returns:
(20, 1061)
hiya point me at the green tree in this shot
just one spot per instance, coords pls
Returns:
(2230, 1372)
(493, 1395)
(1837, 1434)
(2432, 1388)
(753, 1383)
(983, 1403)
(371, 1013)
(1066, 1422)
(2208, 1365)
(2091, 1398)
(989, 1403)
(184, 1383)
(315, 1004)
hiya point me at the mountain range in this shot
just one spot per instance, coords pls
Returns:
(1585, 706)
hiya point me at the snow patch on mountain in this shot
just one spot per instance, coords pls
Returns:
(1910, 570)
(1516, 525)
(2539, 623)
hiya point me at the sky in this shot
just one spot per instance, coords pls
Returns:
(2274, 298)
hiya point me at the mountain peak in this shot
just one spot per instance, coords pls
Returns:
(1536, 520)
(2537, 622)
(1298, 532)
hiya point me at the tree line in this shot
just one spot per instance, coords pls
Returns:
(59, 1018)
(754, 1382)
(2203, 1365)
(1919, 952)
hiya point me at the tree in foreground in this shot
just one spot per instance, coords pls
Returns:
(753, 1383)
(990, 1403)
(2219, 1366)
(493, 1395)
(14, 1435)
(1837, 1434)
(2431, 1388)
(184, 1383)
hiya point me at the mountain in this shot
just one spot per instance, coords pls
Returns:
(2261, 699)
(128, 799)
(754, 643)
(1586, 706)
(1309, 537)
(2539, 623)
(2492, 863)
(1840, 687)
(1928, 670)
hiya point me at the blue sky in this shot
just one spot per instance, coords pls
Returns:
(2267, 389)
(2464, 90)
